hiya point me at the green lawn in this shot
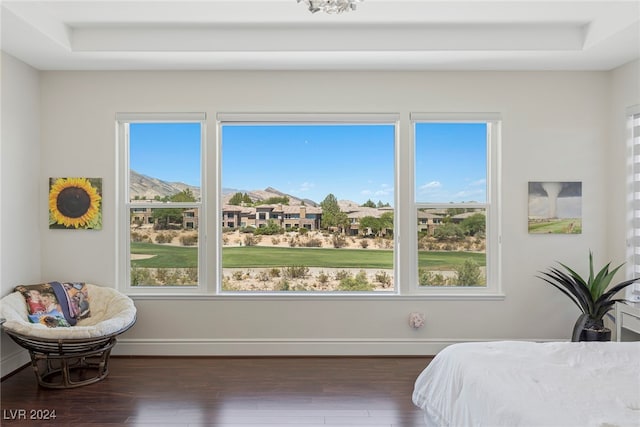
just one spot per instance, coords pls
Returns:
(261, 256)
(446, 260)
(165, 256)
(556, 226)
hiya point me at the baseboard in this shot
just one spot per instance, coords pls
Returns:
(286, 347)
(12, 362)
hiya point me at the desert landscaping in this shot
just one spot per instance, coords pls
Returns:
(303, 277)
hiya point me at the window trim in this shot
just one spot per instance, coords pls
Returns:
(123, 248)
(493, 209)
(405, 224)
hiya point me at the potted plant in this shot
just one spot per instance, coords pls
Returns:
(591, 296)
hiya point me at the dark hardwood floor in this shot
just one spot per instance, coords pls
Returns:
(225, 391)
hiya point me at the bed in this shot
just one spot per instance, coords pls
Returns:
(509, 383)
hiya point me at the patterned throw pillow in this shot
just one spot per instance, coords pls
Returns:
(56, 305)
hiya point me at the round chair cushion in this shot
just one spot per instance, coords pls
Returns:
(111, 312)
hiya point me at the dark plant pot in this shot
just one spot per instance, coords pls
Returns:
(587, 329)
(588, 334)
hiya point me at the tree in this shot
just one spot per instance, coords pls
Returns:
(163, 217)
(332, 216)
(185, 195)
(271, 228)
(476, 223)
(368, 204)
(239, 198)
(275, 200)
(449, 231)
(371, 223)
(386, 221)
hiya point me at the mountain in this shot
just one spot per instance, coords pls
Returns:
(146, 187)
(267, 193)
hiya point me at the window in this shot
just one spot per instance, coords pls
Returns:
(161, 189)
(633, 120)
(455, 194)
(309, 204)
(314, 200)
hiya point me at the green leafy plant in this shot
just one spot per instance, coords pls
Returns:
(591, 296)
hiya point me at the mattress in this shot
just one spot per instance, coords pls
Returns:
(512, 384)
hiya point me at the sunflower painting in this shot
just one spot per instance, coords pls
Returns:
(75, 203)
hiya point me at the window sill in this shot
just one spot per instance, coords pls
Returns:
(316, 297)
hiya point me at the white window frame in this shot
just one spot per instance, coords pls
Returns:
(632, 292)
(226, 119)
(124, 204)
(493, 288)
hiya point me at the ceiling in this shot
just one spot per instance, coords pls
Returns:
(284, 35)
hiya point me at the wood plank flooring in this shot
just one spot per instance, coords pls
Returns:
(226, 391)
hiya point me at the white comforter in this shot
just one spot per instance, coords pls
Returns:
(532, 384)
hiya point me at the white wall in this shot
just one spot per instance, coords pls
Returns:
(556, 126)
(20, 185)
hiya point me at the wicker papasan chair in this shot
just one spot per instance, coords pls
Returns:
(67, 357)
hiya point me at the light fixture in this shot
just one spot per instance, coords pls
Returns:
(331, 6)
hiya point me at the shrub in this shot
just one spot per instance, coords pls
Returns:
(303, 231)
(162, 275)
(364, 243)
(191, 274)
(188, 239)
(358, 283)
(342, 274)
(338, 241)
(165, 237)
(271, 228)
(251, 240)
(237, 275)
(274, 272)
(313, 243)
(296, 271)
(323, 278)
(429, 278)
(469, 274)
(141, 276)
(138, 237)
(282, 285)
(383, 278)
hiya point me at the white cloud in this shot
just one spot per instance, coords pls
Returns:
(305, 186)
(430, 186)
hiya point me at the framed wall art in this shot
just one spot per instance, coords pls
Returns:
(75, 203)
(555, 207)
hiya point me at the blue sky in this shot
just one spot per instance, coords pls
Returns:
(451, 162)
(167, 151)
(354, 162)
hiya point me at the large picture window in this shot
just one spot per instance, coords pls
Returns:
(162, 191)
(455, 196)
(307, 206)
